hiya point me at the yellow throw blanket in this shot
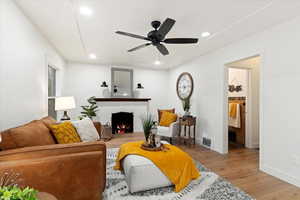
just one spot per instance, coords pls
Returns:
(177, 165)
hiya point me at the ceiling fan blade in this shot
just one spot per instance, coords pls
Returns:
(162, 49)
(165, 27)
(139, 47)
(132, 35)
(181, 40)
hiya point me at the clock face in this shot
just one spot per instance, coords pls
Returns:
(185, 86)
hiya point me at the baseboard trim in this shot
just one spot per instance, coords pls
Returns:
(280, 175)
(254, 146)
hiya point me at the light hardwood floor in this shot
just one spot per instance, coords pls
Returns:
(240, 167)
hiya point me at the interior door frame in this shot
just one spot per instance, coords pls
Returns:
(225, 109)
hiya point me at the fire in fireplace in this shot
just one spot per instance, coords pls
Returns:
(122, 122)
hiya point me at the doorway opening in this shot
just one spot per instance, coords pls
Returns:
(242, 95)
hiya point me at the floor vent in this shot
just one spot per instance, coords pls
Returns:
(206, 142)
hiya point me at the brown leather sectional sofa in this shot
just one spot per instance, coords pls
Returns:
(68, 171)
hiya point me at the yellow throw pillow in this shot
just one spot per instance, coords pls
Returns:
(167, 118)
(65, 133)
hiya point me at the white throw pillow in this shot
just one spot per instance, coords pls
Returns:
(86, 130)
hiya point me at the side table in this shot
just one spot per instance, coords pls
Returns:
(188, 123)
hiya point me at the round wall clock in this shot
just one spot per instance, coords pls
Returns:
(185, 86)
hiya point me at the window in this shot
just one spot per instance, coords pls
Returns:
(51, 92)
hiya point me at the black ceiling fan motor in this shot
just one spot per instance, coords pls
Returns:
(157, 36)
(155, 24)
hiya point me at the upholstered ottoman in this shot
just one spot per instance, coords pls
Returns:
(141, 174)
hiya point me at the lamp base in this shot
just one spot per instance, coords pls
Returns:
(65, 117)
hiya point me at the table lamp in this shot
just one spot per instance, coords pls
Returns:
(64, 104)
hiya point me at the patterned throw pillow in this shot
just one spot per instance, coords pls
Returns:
(167, 118)
(86, 130)
(65, 133)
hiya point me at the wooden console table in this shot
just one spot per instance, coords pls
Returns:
(188, 123)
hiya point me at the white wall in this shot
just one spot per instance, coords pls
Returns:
(24, 56)
(238, 77)
(83, 81)
(279, 101)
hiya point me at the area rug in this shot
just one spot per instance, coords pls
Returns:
(209, 186)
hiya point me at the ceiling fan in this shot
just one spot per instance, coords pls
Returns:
(157, 36)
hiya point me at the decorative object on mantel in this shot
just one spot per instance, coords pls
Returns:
(139, 86)
(64, 104)
(115, 89)
(105, 92)
(137, 92)
(104, 84)
(89, 111)
(148, 123)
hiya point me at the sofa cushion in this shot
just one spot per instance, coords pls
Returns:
(34, 133)
(65, 133)
(86, 130)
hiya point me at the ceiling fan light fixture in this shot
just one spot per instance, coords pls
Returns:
(92, 56)
(86, 11)
(205, 34)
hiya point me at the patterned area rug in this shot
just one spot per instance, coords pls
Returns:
(209, 186)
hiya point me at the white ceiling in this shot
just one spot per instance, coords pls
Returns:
(227, 20)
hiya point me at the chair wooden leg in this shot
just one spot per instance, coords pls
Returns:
(171, 141)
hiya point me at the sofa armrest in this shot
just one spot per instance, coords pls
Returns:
(51, 150)
(72, 171)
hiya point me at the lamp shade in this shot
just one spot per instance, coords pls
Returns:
(64, 103)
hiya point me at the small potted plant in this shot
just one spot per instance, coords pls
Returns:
(148, 123)
(9, 189)
(186, 104)
(16, 193)
(89, 111)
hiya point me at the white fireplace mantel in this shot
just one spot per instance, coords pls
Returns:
(138, 107)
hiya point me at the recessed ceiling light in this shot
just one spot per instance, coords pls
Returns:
(205, 34)
(92, 56)
(85, 11)
(157, 62)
